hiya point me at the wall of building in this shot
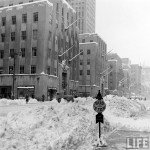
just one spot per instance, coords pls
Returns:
(40, 82)
(86, 11)
(52, 40)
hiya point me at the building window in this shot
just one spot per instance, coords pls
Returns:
(21, 3)
(11, 53)
(35, 32)
(21, 69)
(49, 52)
(12, 36)
(13, 19)
(3, 37)
(34, 51)
(50, 36)
(1, 70)
(83, 40)
(62, 11)
(11, 68)
(23, 52)
(35, 17)
(33, 69)
(10, 4)
(24, 18)
(88, 72)
(88, 51)
(3, 21)
(57, 7)
(81, 62)
(81, 72)
(48, 70)
(91, 40)
(30, 1)
(88, 61)
(23, 35)
(81, 51)
(1, 54)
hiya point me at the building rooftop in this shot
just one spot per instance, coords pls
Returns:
(24, 4)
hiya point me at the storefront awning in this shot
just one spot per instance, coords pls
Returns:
(25, 87)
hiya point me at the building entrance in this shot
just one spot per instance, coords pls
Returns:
(5, 91)
(64, 82)
(51, 93)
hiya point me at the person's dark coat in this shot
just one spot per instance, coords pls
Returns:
(99, 96)
(27, 98)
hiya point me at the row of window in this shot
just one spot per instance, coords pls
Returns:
(88, 51)
(24, 19)
(22, 69)
(83, 40)
(88, 62)
(34, 52)
(81, 72)
(23, 35)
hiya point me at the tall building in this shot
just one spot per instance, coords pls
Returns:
(85, 9)
(32, 36)
(93, 61)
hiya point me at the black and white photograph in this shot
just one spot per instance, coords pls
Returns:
(74, 74)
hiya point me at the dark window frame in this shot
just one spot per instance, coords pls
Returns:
(22, 52)
(3, 21)
(21, 69)
(13, 19)
(24, 18)
(35, 17)
(12, 36)
(23, 35)
(33, 69)
(34, 51)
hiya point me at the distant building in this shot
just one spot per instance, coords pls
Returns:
(34, 32)
(93, 61)
(86, 11)
(112, 77)
(136, 79)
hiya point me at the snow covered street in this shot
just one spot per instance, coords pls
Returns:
(66, 126)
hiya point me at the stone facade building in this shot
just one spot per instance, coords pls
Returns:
(93, 61)
(86, 12)
(32, 36)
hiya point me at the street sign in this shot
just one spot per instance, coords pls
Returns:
(99, 118)
(99, 106)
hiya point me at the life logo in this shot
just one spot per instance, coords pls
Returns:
(140, 143)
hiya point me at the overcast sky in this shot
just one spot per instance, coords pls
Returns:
(125, 26)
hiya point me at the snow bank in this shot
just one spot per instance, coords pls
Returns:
(62, 126)
(55, 126)
(4, 102)
(123, 107)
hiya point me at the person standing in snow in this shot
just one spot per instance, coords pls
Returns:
(99, 96)
(27, 98)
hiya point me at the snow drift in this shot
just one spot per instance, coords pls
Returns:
(61, 126)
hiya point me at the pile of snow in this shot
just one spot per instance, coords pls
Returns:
(123, 107)
(55, 126)
(63, 126)
(4, 102)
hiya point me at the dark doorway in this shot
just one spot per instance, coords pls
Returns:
(51, 94)
(64, 82)
(5, 91)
